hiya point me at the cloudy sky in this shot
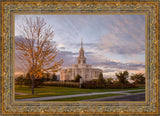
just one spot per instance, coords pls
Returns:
(111, 42)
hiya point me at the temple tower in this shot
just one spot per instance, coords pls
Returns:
(84, 70)
(81, 58)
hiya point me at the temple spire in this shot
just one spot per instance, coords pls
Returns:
(81, 42)
(81, 58)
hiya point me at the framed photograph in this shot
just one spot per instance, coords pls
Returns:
(79, 58)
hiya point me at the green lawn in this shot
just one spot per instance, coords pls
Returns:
(84, 97)
(57, 91)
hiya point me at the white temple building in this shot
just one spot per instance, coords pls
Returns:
(84, 70)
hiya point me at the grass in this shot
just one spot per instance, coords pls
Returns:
(136, 91)
(84, 97)
(58, 91)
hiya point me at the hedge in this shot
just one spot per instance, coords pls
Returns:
(90, 85)
(107, 86)
(62, 84)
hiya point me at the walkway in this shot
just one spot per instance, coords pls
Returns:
(77, 95)
(130, 97)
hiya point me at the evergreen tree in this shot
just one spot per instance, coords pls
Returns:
(101, 79)
(77, 78)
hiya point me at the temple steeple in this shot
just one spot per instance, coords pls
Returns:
(81, 59)
(81, 51)
(81, 42)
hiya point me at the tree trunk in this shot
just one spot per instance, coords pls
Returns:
(33, 81)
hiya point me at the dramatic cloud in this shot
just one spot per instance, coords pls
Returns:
(119, 44)
(126, 37)
(69, 57)
(114, 65)
(111, 42)
(107, 65)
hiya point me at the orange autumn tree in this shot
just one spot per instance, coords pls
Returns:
(36, 48)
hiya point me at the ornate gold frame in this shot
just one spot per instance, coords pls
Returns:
(149, 9)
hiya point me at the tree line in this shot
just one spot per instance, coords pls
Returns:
(121, 77)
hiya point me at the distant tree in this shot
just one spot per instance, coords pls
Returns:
(54, 77)
(77, 78)
(122, 77)
(115, 81)
(38, 81)
(47, 76)
(27, 76)
(109, 80)
(138, 78)
(20, 80)
(101, 79)
(95, 80)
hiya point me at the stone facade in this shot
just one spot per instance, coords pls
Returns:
(84, 70)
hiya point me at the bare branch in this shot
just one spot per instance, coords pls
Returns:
(35, 48)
